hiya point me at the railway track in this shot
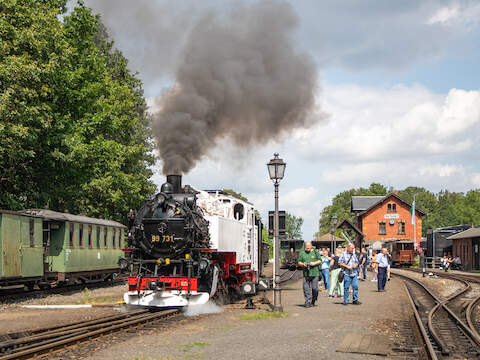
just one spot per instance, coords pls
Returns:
(29, 344)
(446, 325)
(14, 295)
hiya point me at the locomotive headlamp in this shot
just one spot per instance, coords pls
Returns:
(159, 262)
(122, 263)
(167, 261)
(187, 256)
(204, 264)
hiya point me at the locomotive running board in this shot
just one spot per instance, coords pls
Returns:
(165, 298)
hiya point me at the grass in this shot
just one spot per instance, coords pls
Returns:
(265, 315)
(88, 299)
(189, 347)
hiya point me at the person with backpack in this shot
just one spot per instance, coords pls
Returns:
(349, 262)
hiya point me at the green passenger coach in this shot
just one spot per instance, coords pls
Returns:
(48, 248)
(21, 249)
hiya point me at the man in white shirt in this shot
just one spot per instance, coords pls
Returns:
(383, 267)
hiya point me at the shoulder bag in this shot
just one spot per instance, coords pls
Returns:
(341, 274)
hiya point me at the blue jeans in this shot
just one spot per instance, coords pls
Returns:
(382, 277)
(350, 280)
(364, 271)
(326, 278)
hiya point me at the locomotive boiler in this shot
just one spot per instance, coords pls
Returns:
(187, 246)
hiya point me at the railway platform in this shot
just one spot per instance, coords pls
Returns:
(379, 327)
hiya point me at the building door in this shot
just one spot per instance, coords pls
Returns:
(11, 246)
(46, 246)
(476, 253)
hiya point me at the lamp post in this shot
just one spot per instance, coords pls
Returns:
(334, 222)
(276, 170)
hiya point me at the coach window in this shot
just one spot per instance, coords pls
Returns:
(80, 235)
(113, 237)
(401, 228)
(89, 236)
(105, 236)
(70, 239)
(98, 237)
(32, 232)
(382, 230)
(119, 238)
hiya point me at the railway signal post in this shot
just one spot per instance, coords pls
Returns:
(276, 170)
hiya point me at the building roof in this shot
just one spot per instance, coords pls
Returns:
(381, 199)
(346, 224)
(362, 203)
(328, 237)
(54, 215)
(470, 233)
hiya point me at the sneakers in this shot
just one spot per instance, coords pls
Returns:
(356, 303)
(344, 303)
(307, 305)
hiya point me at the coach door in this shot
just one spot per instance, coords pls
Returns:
(11, 246)
(476, 253)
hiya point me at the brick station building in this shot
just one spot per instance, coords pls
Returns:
(385, 219)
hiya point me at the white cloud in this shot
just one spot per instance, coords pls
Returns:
(370, 123)
(465, 14)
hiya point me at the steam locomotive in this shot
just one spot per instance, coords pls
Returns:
(187, 246)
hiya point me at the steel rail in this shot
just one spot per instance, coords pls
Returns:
(83, 334)
(468, 314)
(48, 333)
(442, 304)
(465, 279)
(428, 344)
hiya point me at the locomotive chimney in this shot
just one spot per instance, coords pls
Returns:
(176, 182)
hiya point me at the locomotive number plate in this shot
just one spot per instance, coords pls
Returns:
(163, 238)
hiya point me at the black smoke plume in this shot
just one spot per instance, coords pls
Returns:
(239, 77)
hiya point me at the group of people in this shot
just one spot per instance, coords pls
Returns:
(451, 263)
(340, 271)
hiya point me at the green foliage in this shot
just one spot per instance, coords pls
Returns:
(341, 206)
(236, 194)
(72, 116)
(293, 226)
(442, 209)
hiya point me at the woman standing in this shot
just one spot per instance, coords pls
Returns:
(326, 269)
(336, 285)
(374, 266)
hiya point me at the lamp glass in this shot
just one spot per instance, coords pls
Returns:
(272, 170)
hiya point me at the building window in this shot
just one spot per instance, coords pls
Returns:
(113, 237)
(105, 234)
(389, 207)
(70, 239)
(32, 232)
(382, 230)
(98, 237)
(401, 228)
(80, 235)
(89, 236)
(394, 207)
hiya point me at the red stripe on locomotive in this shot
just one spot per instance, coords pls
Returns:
(170, 283)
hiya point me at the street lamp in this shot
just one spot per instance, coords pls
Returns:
(334, 222)
(276, 170)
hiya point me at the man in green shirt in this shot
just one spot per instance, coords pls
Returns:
(309, 260)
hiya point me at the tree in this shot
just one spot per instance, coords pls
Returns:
(293, 226)
(341, 206)
(73, 117)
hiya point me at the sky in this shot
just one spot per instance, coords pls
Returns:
(398, 100)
